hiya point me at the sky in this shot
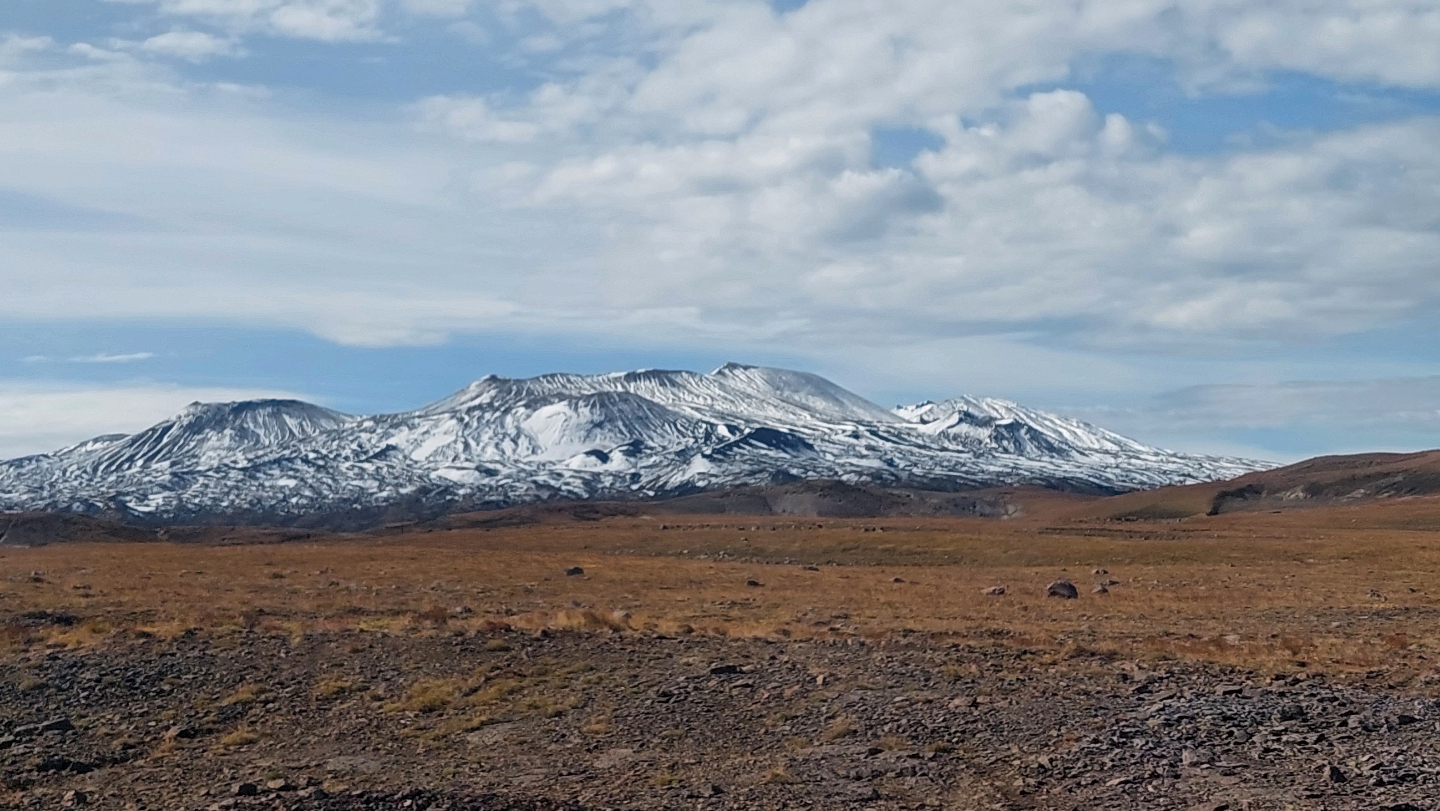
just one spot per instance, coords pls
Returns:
(1211, 225)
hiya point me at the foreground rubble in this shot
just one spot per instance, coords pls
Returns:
(516, 722)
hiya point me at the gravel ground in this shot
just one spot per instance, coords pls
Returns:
(505, 721)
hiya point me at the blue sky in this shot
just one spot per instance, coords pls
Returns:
(1211, 226)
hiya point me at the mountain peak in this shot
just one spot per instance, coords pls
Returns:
(628, 435)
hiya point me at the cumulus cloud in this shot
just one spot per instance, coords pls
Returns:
(695, 169)
(38, 418)
(195, 46)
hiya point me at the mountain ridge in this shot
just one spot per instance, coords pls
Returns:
(626, 435)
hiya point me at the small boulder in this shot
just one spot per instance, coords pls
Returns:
(1333, 774)
(994, 591)
(574, 571)
(57, 725)
(246, 790)
(1100, 589)
(1063, 589)
(754, 584)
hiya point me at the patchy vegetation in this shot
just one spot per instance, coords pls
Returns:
(1246, 658)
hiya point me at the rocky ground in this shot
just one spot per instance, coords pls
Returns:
(506, 721)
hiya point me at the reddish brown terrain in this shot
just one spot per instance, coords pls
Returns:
(1266, 657)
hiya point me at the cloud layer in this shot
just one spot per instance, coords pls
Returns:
(706, 173)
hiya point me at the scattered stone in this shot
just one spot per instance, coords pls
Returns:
(574, 571)
(57, 725)
(1063, 589)
(1100, 589)
(705, 792)
(1195, 757)
(994, 591)
(1101, 571)
(906, 715)
(898, 580)
(754, 584)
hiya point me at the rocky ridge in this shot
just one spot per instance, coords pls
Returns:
(633, 435)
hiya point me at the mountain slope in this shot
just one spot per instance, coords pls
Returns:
(643, 434)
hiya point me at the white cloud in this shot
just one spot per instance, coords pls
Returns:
(437, 8)
(471, 119)
(324, 20)
(41, 418)
(195, 46)
(702, 170)
(99, 357)
(1302, 418)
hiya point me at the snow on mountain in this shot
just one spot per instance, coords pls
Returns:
(638, 434)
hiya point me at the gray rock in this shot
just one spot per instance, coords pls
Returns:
(1063, 589)
(994, 591)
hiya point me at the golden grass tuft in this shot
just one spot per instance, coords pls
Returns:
(332, 686)
(428, 695)
(244, 694)
(240, 736)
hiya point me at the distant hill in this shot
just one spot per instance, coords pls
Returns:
(630, 436)
(1319, 482)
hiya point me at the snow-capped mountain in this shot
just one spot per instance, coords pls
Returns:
(503, 441)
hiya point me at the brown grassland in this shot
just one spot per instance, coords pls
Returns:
(1350, 591)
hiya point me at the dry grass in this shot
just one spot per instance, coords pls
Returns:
(244, 694)
(837, 729)
(1324, 587)
(332, 687)
(240, 736)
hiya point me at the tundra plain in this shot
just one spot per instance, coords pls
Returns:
(1251, 660)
